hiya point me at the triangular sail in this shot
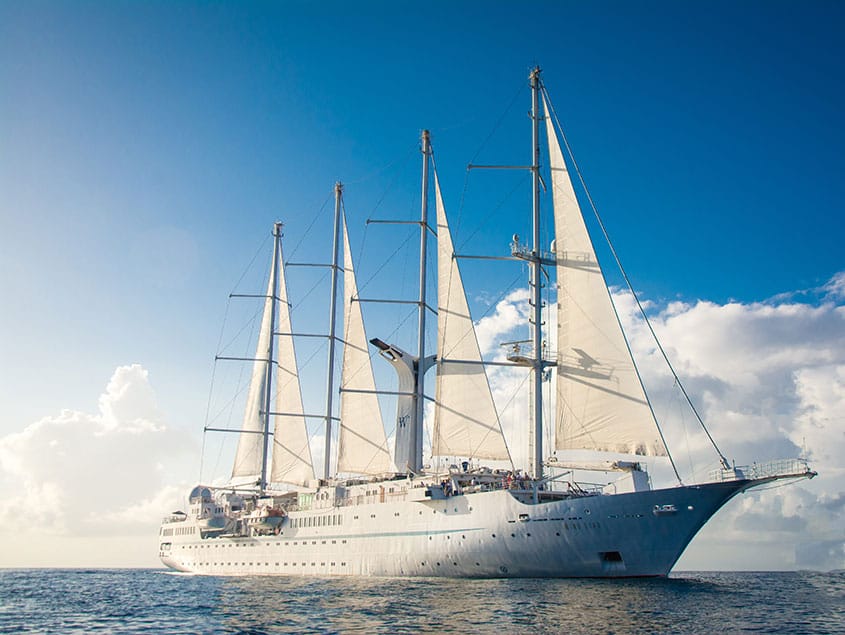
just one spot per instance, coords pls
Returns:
(291, 452)
(251, 441)
(465, 420)
(362, 443)
(601, 404)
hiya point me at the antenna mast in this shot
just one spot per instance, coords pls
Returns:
(338, 194)
(421, 365)
(536, 284)
(268, 378)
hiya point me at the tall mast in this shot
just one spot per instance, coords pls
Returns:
(338, 193)
(421, 365)
(268, 378)
(536, 282)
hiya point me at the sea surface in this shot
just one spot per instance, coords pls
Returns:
(156, 601)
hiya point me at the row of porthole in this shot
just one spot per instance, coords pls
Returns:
(528, 534)
(396, 514)
(557, 533)
(254, 544)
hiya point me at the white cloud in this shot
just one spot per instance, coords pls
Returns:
(835, 287)
(80, 475)
(768, 380)
(509, 316)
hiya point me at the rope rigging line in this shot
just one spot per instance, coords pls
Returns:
(388, 166)
(520, 183)
(484, 143)
(385, 263)
(308, 229)
(259, 250)
(220, 348)
(630, 286)
(498, 123)
(211, 388)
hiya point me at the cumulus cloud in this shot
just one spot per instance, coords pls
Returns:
(78, 474)
(768, 379)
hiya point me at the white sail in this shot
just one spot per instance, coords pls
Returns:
(291, 452)
(465, 420)
(362, 443)
(601, 404)
(251, 442)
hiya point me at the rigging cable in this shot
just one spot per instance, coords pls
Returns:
(219, 349)
(484, 143)
(722, 457)
(310, 226)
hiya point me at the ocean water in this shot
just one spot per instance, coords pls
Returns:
(155, 601)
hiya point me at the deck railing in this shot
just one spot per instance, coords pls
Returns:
(783, 468)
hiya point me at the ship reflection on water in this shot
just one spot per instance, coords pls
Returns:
(689, 603)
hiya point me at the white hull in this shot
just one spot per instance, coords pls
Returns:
(482, 534)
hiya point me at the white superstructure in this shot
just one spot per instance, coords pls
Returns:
(397, 519)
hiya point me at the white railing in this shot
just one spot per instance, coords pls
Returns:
(524, 252)
(522, 353)
(781, 468)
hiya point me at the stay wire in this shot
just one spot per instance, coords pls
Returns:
(246, 269)
(642, 311)
(308, 229)
(484, 143)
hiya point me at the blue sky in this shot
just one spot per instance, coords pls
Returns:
(146, 148)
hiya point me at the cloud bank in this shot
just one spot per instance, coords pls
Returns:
(88, 479)
(768, 379)
(88, 489)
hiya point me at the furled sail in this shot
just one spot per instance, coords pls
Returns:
(465, 420)
(362, 444)
(601, 404)
(251, 443)
(291, 452)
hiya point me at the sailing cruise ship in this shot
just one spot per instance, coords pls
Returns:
(389, 514)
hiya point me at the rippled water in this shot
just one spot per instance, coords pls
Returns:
(133, 601)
